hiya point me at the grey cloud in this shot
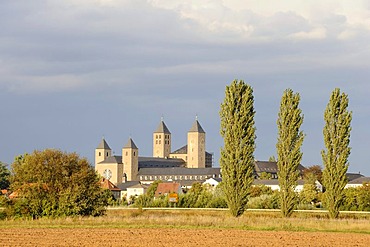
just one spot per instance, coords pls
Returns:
(75, 72)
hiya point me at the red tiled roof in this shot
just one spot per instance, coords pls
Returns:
(106, 184)
(165, 188)
(16, 193)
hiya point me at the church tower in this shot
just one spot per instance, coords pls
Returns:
(102, 152)
(106, 164)
(161, 141)
(196, 146)
(130, 160)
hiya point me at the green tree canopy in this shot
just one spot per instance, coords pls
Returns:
(55, 183)
(336, 133)
(237, 154)
(4, 176)
(272, 159)
(290, 140)
(313, 173)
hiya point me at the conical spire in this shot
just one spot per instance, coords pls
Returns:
(196, 127)
(103, 145)
(130, 144)
(162, 128)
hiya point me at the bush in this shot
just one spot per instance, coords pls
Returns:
(264, 201)
(357, 199)
(259, 190)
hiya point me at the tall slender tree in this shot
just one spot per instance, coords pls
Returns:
(335, 157)
(290, 139)
(237, 158)
(4, 176)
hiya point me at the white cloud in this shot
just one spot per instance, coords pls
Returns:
(316, 33)
(248, 20)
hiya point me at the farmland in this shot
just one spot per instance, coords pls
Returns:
(125, 227)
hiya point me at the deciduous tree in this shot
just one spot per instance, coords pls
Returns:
(336, 133)
(290, 139)
(237, 154)
(313, 172)
(54, 183)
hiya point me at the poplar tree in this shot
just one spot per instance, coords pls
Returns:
(335, 157)
(237, 159)
(290, 139)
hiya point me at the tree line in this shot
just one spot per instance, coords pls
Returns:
(237, 155)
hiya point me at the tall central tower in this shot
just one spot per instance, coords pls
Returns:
(161, 141)
(196, 146)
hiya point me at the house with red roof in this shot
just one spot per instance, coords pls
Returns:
(167, 188)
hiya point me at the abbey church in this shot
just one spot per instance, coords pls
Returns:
(187, 164)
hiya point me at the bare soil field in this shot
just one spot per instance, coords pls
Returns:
(174, 237)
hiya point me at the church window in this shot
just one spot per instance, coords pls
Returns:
(126, 153)
(134, 153)
(156, 142)
(159, 141)
(160, 136)
(156, 136)
(107, 154)
(99, 153)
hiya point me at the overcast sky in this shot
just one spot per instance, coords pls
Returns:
(73, 71)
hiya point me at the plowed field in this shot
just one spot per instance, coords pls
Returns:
(174, 237)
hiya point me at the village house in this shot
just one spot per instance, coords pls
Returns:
(164, 189)
(358, 182)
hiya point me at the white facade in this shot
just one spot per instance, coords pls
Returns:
(135, 191)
